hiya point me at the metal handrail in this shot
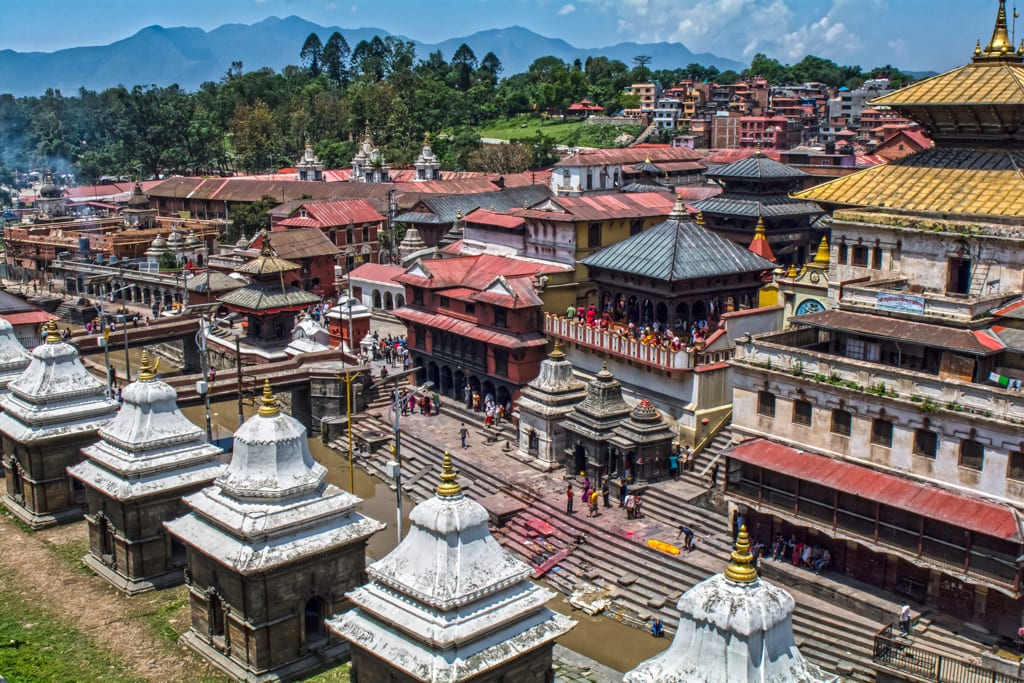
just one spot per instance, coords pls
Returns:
(895, 652)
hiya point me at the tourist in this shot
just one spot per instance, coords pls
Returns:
(383, 371)
(568, 500)
(688, 457)
(823, 562)
(594, 500)
(606, 493)
(436, 402)
(779, 547)
(905, 620)
(630, 506)
(673, 463)
(623, 485)
(657, 628)
(463, 434)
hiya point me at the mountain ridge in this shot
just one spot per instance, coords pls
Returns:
(190, 56)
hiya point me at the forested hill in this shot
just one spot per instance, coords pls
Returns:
(191, 56)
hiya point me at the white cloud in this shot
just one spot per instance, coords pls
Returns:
(784, 29)
(566, 10)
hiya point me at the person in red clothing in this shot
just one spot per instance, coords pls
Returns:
(568, 500)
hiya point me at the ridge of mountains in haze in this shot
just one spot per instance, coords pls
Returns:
(192, 56)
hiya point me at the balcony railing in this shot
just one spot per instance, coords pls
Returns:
(875, 295)
(895, 653)
(610, 342)
(930, 393)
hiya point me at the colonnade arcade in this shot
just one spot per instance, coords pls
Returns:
(450, 380)
(142, 294)
(626, 307)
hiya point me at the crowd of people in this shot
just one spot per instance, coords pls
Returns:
(651, 333)
(789, 548)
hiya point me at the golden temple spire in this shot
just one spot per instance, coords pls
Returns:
(700, 219)
(557, 353)
(759, 245)
(448, 487)
(147, 371)
(822, 255)
(741, 565)
(52, 333)
(269, 407)
(999, 46)
(265, 250)
(792, 272)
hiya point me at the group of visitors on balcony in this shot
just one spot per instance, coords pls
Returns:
(653, 334)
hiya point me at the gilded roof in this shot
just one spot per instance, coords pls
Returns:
(977, 83)
(985, 182)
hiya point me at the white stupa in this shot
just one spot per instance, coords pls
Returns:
(450, 604)
(733, 628)
(14, 357)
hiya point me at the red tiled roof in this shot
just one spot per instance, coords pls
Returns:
(493, 218)
(377, 272)
(932, 502)
(28, 317)
(476, 272)
(298, 222)
(346, 212)
(629, 155)
(558, 216)
(468, 329)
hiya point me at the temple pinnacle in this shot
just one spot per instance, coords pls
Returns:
(741, 565)
(269, 407)
(449, 486)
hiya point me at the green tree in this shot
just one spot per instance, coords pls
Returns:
(249, 219)
(335, 58)
(463, 66)
(254, 136)
(311, 53)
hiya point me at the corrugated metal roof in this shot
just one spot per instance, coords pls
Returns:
(346, 212)
(935, 336)
(930, 501)
(477, 271)
(609, 206)
(677, 250)
(447, 208)
(736, 204)
(377, 272)
(755, 167)
(212, 281)
(302, 243)
(629, 155)
(260, 296)
(470, 330)
(252, 190)
(939, 180)
(417, 217)
(499, 220)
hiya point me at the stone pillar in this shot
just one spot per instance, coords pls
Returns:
(190, 354)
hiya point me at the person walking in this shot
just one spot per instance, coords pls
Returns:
(688, 458)
(905, 620)
(463, 434)
(606, 493)
(673, 464)
(595, 498)
(568, 500)
(713, 478)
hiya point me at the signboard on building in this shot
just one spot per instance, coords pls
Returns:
(903, 303)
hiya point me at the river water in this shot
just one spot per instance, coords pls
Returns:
(599, 638)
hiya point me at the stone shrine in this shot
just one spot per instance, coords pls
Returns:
(450, 604)
(272, 549)
(52, 410)
(733, 628)
(542, 403)
(147, 458)
(642, 444)
(14, 357)
(591, 423)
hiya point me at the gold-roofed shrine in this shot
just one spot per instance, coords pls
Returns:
(975, 115)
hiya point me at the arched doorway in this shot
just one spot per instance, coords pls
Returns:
(17, 485)
(313, 621)
(389, 303)
(607, 299)
(433, 375)
(487, 390)
(399, 300)
(579, 459)
(632, 310)
(648, 314)
(106, 538)
(504, 397)
(376, 299)
(459, 390)
(661, 313)
(682, 320)
(446, 386)
(700, 311)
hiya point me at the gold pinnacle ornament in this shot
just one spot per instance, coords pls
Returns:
(741, 567)
(449, 486)
(269, 407)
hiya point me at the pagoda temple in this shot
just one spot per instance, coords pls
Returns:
(643, 442)
(733, 628)
(591, 423)
(53, 409)
(14, 357)
(450, 604)
(269, 305)
(543, 402)
(147, 458)
(756, 190)
(272, 549)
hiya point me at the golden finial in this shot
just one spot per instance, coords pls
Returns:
(700, 219)
(759, 229)
(426, 139)
(269, 401)
(458, 214)
(52, 333)
(741, 567)
(791, 273)
(822, 255)
(557, 353)
(265, 249)
(977, 48)
(147, 372)
(449, 486)
(999, 46)
(757, 149)
(648, 159)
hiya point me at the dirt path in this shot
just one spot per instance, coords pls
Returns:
(89, 604)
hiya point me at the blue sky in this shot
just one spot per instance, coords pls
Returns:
(913, 34)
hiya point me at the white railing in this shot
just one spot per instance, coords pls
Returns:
(616, 344)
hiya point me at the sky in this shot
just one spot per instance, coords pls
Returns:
(911, 34)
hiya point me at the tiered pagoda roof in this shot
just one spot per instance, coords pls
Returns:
(974, 115)
(449, 603)
(678, 249)
(268, 291)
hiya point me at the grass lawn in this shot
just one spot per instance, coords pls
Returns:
(570, 132)
(36, 645)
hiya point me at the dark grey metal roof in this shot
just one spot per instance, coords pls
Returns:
(446, 208)
(678, 250)
(755, 167)
(737, 204)
(644, 185)
(416, 217)
(260, 296)
(647, 166)
(212, 281)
